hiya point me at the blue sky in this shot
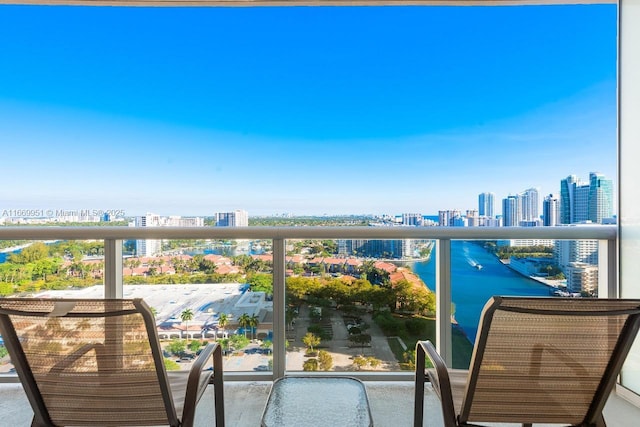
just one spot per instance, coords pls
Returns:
(301, 110)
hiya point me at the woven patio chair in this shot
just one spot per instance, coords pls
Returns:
(99, 363)
(535, 360)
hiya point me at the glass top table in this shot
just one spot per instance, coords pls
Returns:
(317, 401)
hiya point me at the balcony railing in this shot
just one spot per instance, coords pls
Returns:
(113, 238)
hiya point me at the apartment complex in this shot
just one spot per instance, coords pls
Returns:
(151, 247)
(237, 218)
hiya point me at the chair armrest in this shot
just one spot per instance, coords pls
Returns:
(441, 383)
(211, 351)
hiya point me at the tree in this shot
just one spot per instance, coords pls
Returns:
(244, 321)
(223, 321)
(310, 365)
(176, 347)
(253, 323)
(311, 340)
(325, 360)
(359, 362)
(260, 282)
(186, 316)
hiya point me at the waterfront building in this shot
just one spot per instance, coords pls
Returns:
(526, 242)
(582, 277)
(551, 211)
(152, 247)
(237, 218)
(530, 266)
(569, 251)
(486, 204)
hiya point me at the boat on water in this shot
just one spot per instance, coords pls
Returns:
(478, 266)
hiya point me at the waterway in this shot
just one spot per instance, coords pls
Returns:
(472, 287)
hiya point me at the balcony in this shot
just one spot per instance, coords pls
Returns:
(390, 392)
(391, 405)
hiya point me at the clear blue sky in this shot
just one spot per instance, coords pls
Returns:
(301, 110)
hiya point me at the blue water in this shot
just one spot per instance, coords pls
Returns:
(471, 288)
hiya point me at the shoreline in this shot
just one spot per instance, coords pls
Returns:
(551, 283)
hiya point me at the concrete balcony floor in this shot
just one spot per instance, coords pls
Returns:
(391, 406)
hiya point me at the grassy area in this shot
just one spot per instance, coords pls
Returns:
(412, 330)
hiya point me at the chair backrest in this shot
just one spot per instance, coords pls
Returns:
(88, 362)
(548, 360)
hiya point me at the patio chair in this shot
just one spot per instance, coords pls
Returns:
(535, 360)
(99, 363)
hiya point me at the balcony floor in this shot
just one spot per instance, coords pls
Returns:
(391, 406)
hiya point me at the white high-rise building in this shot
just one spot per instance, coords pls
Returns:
(151, 247)
(412, 219)
(486, 204)
(148, 247)
(568, 251)
(237, 218)
(530, 205)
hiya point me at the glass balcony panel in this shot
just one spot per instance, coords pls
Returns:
(356, 305)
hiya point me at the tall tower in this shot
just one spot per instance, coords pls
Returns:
(238, 218)
(530, 205)
(567, 189)
(510, 211)
(486, 204)
(600, 197)
(551, 210)
(580, 202)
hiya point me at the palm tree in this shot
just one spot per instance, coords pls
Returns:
(223, 321)
(253, 323)
(244, 321)
(186, 316)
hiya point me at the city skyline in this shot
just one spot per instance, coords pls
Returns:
(307, 111)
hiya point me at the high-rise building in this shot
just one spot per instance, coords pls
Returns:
(148, 247)
(238, 218)
(530, 205)
(580, 202)
(450, 218)
(412, 219)
(551, 211)
(486, 204)
(600, 197)
(510, 211)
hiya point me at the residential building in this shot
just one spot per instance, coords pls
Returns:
(237, 218)
(412, 219)
(582, 277)
(600, 198)
(580, 201)
(510, 211)
(551, 211)
(486, 204)
(529, 205)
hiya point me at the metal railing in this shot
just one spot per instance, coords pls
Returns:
(113, 238)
